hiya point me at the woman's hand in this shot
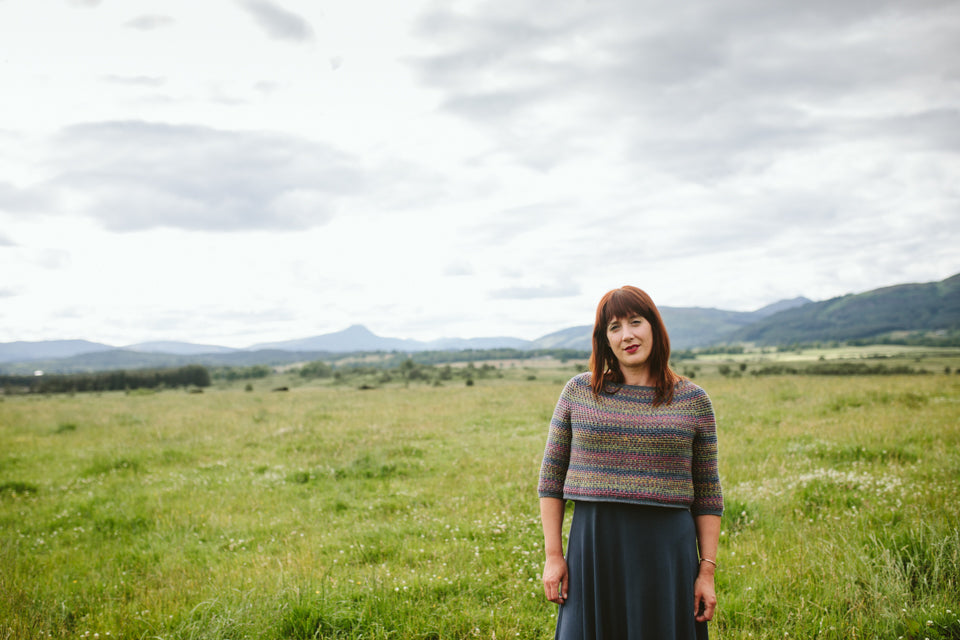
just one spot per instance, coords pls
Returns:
(704, 595)
(555, 579)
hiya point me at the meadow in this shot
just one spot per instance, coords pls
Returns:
(409, 511)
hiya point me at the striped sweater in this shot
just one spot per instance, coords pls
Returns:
(620, 448)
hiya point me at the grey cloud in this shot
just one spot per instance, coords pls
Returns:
(53, 259)
(6, 242)
(278, 22)
(456, 269)
(8, 293)
(209, 320)
(498, 226)
(67, 313)
(933, 129)
(14, 198)
(150, 22)
(266, 87)
(503, 103)
(693, 84)
(137, 175)
(84, 3)
(253, 317)
(543, 291)
(139, 81)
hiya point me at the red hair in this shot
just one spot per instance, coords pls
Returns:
(605, 369)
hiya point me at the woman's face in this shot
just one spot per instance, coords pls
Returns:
(631, 340)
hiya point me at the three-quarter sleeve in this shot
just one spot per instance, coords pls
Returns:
(707, 492)
(556, 454)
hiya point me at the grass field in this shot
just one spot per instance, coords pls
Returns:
(411, 511)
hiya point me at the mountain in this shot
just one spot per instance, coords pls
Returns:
(923, 307)
(353, 338)
(177, 348)
(461, 344)
(359, 338)
(52, 349)
(689, 327)
(782, 305)
(873, 315)
(699, 327)
(572, 338)
(352, 335)
(125, 359)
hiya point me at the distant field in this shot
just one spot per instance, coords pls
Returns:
(410, 512)
(882, 351)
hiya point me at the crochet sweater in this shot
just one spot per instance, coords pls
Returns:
(618, 447)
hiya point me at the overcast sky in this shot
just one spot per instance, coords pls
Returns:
(239, 171)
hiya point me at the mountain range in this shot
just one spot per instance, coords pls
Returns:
(924, 308)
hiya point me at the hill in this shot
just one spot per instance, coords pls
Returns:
(127, 359)
(179, 348)
(48, 349)
(877, 314)
(353, 338)
(359, 338)
(689, 327)
(927, 312)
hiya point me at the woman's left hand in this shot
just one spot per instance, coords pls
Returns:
(704, 597)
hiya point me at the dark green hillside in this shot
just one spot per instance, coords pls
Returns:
(688, 328)
(700, 327)
(927, 307)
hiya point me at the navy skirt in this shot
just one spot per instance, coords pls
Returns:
(632, 569)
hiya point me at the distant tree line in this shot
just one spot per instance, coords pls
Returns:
(316, 369)
(406, 371)
(924, 339)
(424, 365)
(690, 354)
(837, 369)
(393, 359)
(241, 373)
(119, 380)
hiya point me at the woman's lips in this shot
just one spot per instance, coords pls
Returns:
(632, 348)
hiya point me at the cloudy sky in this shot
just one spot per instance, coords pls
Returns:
(239, 171)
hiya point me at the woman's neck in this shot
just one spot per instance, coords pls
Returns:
(637, 377)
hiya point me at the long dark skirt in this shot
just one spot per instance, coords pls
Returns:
(632, 569)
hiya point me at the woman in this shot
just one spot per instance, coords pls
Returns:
(634, 446)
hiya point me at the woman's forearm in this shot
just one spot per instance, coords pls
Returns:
(551, 515)
(708, 538)
(555, 573)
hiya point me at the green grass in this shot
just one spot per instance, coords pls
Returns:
(411, 512)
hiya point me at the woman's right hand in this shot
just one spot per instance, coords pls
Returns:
(555, 579)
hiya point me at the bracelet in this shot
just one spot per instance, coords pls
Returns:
(713, 562)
